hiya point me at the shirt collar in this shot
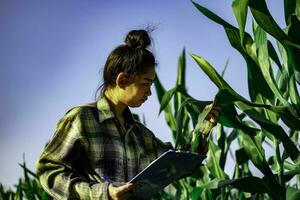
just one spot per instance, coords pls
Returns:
(105, 111)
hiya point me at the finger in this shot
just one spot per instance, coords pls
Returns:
(118, 184)
(216, 108)
(215, 112)
(212, 120)
(214, 115)
(125, 188)
(209, 116)
(209, 105)
(125, 196)
(135, 185)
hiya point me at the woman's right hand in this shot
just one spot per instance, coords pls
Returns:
(120, 192)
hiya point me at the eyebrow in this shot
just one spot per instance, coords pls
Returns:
(148, 79)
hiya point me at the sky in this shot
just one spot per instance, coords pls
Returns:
(52, 53)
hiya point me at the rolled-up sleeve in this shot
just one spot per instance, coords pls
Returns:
(59, 168)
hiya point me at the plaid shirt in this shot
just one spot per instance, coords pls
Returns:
(90, 144)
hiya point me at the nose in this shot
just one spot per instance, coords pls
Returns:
(148, 92)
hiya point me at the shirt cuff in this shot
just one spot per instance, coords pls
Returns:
(100, 191)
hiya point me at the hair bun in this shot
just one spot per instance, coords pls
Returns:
(138, 39)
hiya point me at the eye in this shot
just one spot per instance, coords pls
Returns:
(147, 84)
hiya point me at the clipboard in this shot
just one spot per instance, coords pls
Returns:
(170, 166)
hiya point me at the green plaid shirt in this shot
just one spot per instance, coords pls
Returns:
(89, 144)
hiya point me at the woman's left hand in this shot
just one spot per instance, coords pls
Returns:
(213, 115)
(210, 121)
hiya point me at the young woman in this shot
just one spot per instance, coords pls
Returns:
(101, 143)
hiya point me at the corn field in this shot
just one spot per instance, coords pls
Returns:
(269, 118)
(27, 188)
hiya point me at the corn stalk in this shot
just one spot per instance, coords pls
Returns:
(273, 82)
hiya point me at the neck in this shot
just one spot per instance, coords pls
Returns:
(114, 101)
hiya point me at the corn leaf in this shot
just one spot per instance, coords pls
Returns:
(230, 118)
(288, 114)
(259, 35)
(292, 193)
(213, 161)
(222, 143)
(289, 9)
(27, 170)
(293, 91)
(170, 119)
(181, 114)
(297, 9)
(196, 193)
(194, 108)
(211, 15)
(178, 98)
(292, 51)
(293, 31)
(255, 77)
(273, 55)
(241, 156)
(227, 117)
(167, 98)
(263, 59)
(253, 147)
(19, 192)
(246, 184)
(254, 150)
(197, 130)
(169, 94)
(282, 81)
(272, 128)
(263, 17)
(224, 69)
(214, 76)
(276, 130)
(213, 184)
(291, 173)
(160, 90)
(239, 8)
(181, 69)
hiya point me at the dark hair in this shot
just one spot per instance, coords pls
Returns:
(132, 58)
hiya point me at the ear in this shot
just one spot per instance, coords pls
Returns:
(122, 80)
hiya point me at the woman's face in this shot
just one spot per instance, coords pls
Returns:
(139, 90)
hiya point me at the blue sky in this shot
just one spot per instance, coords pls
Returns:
(52, 52)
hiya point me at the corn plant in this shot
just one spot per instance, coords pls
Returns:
(27, 188)
(271, 116)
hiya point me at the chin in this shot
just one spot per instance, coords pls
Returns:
(135, 105)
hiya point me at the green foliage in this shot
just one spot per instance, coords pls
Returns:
(27, 188)
(270, 117)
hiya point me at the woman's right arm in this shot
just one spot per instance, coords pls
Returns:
(58, 168)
